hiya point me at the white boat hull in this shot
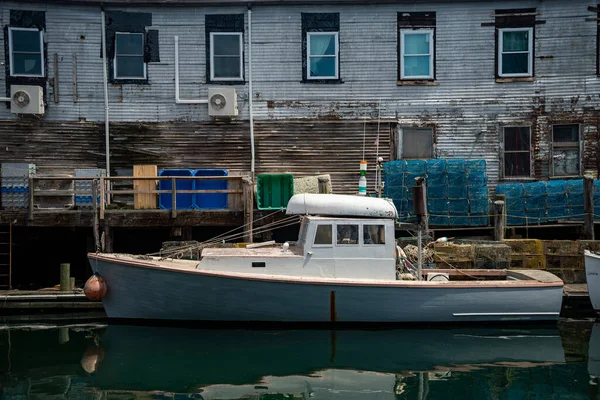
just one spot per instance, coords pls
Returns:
(144, 290)
(592, 276)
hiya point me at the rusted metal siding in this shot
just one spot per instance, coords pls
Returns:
(466, 105)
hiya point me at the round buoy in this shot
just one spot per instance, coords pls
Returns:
(92, 358)
(95, 288)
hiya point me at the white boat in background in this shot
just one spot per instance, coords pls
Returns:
(341, 269)
(592, 276)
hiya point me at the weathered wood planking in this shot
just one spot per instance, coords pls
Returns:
(144, 201)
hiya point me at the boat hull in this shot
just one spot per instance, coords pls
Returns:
(140, 291)
(592, 276)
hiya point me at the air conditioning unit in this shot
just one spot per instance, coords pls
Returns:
(27, 99)
(222, 102)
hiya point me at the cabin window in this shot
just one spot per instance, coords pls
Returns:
(26, 48)
(415, 143)
(129, 56)
(324, 235)
(565, 150)
(517, 151)
(321, 47)
(416, 45)
(347, 234)
(515, 52)
(373, 234)
(226, 49)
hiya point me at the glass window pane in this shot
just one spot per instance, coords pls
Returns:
(322, 45)
(347, 234)
(226, 67)
(516, 138)
(515, 41)
(566, 162)
(323, 235)
(27, 64)
(416, 66)
(517, 164)
(417, 143)
(130, 67)
(373, 234)
(565, 133)
(226, 45)
(323, 67)
(28, 41)
(515, 63)
(132, 44)
(416, 43)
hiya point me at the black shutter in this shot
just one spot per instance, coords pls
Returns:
(151, 53)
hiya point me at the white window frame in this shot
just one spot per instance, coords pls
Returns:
(516, 177)
(529, 72)
(115, 69)
(358, 239)
(405, 32)
(11, 52)
(400, 150)
(336, 55)
(212, 56)
(362, 239)
(570, 146)
(332, 226)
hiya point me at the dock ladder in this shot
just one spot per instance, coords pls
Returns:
(6, 257)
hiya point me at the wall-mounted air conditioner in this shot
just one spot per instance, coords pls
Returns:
(27, 99)
(222, 102)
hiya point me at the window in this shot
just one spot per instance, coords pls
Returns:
(324, 235)
(322, 49)
(517, 151)
(373, 234)
(415, 143)
(416, 60)
(565, 150)
(515, 52)
(347, 234)
(26, 48)
(226, 56)
(129, 56)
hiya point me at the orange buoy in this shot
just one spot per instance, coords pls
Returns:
(95, 288)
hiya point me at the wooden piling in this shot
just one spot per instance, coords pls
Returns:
(63, 335)
(65, 277)
(588, 207)
(173, 197)
(96, 222)
(108, 239)
(248, 193)
(499, 220)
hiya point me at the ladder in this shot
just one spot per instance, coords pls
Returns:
(6, 257)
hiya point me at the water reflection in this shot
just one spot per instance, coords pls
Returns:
(159, 362)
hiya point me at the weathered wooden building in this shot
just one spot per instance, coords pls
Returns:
(319, 85)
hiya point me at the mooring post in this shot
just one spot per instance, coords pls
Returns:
(499, 220)
(96, 223)
(63, 335)
(31, 196)
(173, 198)
(248, 193)
(108, 239)
(102, 197)
(65, 277)
(588, 207)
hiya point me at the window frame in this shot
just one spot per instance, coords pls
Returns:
(212, 56)
(400, 150)
(503, 166)
(529, 72)
(337, 55)
(116, 55)
(11, 52)
(568, 146)
(403, 33)
(358, 238)
(362, 240)
(331, 225)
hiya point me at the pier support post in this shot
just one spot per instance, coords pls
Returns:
(107, 245)
(248, 193)
(65, 277)
(96, 222)
(588, 207)
(63, 335)
(499, 220)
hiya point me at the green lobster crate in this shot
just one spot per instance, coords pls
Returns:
(273, 191)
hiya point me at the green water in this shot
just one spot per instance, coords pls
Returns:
(131, 362)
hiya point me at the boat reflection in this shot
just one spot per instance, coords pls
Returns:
(235, 364)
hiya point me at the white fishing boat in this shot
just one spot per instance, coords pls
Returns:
(342, 268)
(592, 276)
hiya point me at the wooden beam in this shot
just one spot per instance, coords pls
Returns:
(173, 197)
(588, 207)
(499, 220)
(248, 188)
(95, 221)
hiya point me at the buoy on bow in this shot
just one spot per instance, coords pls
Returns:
(95, 288)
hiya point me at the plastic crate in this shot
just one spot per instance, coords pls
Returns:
(274, 191)
(436, 166)
(185, 201)
(210, 201)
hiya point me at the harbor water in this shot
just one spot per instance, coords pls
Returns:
(100, 361)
